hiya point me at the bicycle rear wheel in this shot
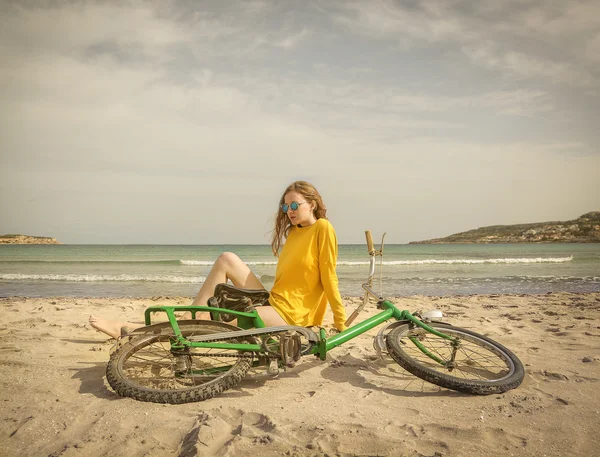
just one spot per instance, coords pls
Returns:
(147, 369)
(478, 365)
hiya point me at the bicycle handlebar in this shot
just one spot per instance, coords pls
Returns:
(367, 285)
(369, 241)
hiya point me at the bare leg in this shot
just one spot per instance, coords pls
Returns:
(227, 266)
(270, 317)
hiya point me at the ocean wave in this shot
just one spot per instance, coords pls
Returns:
(209, 263)
(104, 278)
(120, 262)
(464, 261)
(498, 279)
(266, 278)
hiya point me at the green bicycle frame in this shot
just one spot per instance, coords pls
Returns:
(247, 320)
(390, 311)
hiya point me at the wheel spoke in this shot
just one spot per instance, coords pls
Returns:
(147, 364)
(152, 367)
(477, 360)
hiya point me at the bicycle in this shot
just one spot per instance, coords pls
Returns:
(194, 360)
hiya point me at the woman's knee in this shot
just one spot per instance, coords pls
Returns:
(236, 271)
(229, 259)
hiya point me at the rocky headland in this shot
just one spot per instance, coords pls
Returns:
(584, 229)
(26, 239)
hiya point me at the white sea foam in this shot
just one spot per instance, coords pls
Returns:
(465, 261)
(211, 262)
(105, 278)
(413, 262)
(500, 279)
(197, 262)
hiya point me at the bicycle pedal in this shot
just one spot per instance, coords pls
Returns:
(290, 348)
(273, 368)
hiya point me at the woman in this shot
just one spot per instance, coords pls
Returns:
(305, 279)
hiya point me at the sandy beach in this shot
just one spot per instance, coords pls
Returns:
(56, 401)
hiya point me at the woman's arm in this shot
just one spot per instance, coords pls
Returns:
(328, 250)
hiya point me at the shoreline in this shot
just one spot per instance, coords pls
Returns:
(344, 296)
(56, 400)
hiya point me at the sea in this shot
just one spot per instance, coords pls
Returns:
(404, 269)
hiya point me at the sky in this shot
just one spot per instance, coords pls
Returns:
(182, 122)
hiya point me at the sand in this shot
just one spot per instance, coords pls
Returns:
(56, 401)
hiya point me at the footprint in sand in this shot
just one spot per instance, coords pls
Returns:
(227, 432)
(10, 350)
(480, 439)
(549, 396)
(552, 313)
(556, 331)
(553, 376)
(511, 317)
(234, 432)
(32, 322)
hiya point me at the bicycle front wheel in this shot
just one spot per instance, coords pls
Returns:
(147, 368)
(475, 365)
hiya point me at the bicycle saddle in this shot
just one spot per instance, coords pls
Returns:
(236, 299)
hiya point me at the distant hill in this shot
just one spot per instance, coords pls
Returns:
(585, 229)
(26, 239)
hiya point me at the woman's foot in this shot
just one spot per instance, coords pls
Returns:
(111, 328)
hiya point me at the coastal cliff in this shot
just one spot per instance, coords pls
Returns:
(585, 229)
(26, 239)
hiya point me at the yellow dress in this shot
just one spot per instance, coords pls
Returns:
(305, 279)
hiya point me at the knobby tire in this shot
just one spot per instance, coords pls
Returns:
(145, 369)
(482, 365)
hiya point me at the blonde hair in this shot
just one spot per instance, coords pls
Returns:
(283, 223)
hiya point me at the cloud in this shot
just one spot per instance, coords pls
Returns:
(293, 40)
(517, 65)
(41, 30)
(101, 104)
(491, 34)
(180, 108)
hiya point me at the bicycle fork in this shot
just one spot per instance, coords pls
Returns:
(454, 341)
(407, 317)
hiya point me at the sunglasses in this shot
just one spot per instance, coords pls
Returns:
(293, 206)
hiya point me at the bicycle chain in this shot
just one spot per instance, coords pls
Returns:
(245, 354)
